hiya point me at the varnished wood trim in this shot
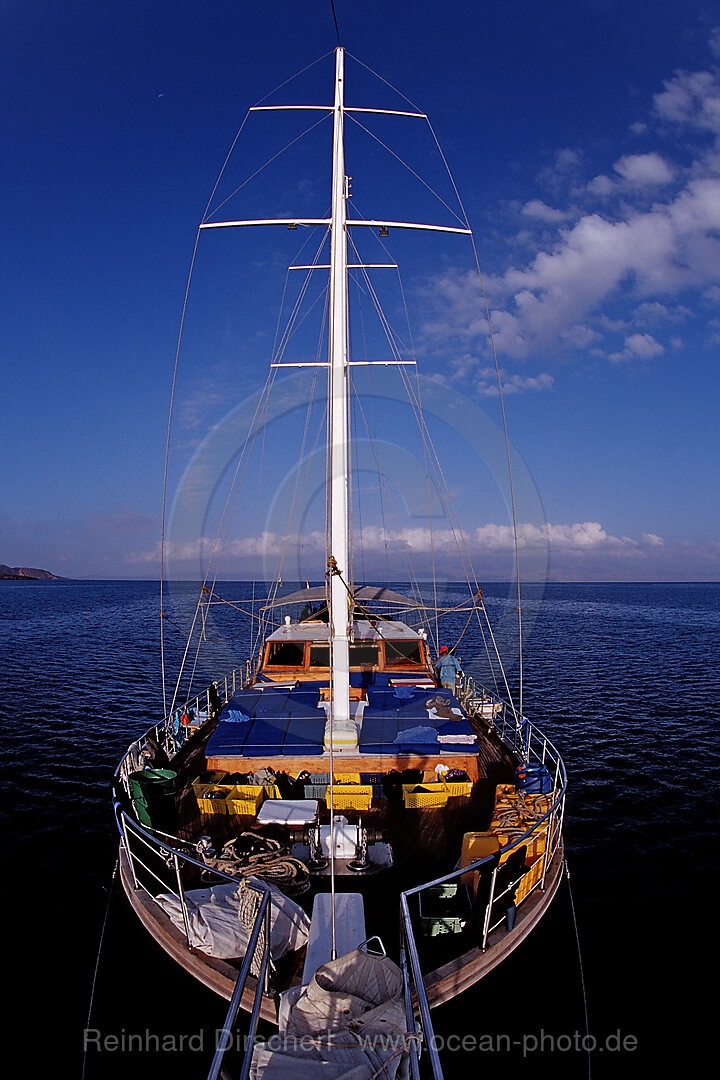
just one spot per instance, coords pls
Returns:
(344, 763)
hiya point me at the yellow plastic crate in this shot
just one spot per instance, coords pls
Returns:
(245, 799)
(346, 778)
(350, 796)
(476, 845)
(214, 778)
(212, 798)
(430, 795)
(455, 788)
(530, 879)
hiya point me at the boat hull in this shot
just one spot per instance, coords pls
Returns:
(442, 984)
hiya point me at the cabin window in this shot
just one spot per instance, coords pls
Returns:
(402, 652)
(285, 654)
(360, 656)
(319, 656)
(364, 654)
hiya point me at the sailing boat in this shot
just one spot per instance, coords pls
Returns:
(341, 815)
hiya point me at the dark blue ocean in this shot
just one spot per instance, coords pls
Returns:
(622, 677)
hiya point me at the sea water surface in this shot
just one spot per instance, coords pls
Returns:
(622, 677)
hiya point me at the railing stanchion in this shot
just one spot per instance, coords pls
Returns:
(422, 1000)
(409, 1017)
(488, 910)
(183, 904)
(126, 843)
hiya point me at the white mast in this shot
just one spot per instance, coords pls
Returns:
(338, 540)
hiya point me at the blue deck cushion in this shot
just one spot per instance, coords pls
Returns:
(305, 736)
(266, 736)
(272, 703)
(455, 727)
(304, 703)
(227, 738)
(378, 731)
(261, 737)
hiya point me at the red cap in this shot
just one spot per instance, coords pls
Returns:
(443, 648)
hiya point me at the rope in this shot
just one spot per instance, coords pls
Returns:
(337, 31)
(274, 864)
(97, 962)
(580, 963)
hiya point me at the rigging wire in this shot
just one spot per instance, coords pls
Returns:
(407, 166)
(494, 354)
(502, 410)
(172, 402)
(268, 162)
(580, 962)
(97, 961)
(337, 30)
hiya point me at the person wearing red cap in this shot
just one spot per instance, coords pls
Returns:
(448, 668)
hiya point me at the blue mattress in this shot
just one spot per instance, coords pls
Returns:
(305, 735)
(261, 737)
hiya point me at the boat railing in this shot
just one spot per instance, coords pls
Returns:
(501, 895)
(178, 726)
(541, 839)
(158, 866)
(420, 1027)
(159, 863)
(517, 732)
(143, 848)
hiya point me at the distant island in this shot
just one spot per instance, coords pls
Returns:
(26, 573)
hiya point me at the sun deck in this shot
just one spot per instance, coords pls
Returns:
(396, 722)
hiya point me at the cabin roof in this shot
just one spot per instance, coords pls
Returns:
(363, 631)
(365, 594)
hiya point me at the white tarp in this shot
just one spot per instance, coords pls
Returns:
(348, 1023)
(217, 929)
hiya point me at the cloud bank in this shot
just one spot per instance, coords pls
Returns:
(603, 250)
(565, 552)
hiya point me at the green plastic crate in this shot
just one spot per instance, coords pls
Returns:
(443, 909)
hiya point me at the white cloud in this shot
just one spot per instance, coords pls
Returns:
(638, 347)
(641, 170)
(578, 537)
(715, 41)
(602, 185)
(542, 212)
(690, 98)
(621, 261)
(511, 384)
(653, 311)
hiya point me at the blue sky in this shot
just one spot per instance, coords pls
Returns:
(584, 141)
